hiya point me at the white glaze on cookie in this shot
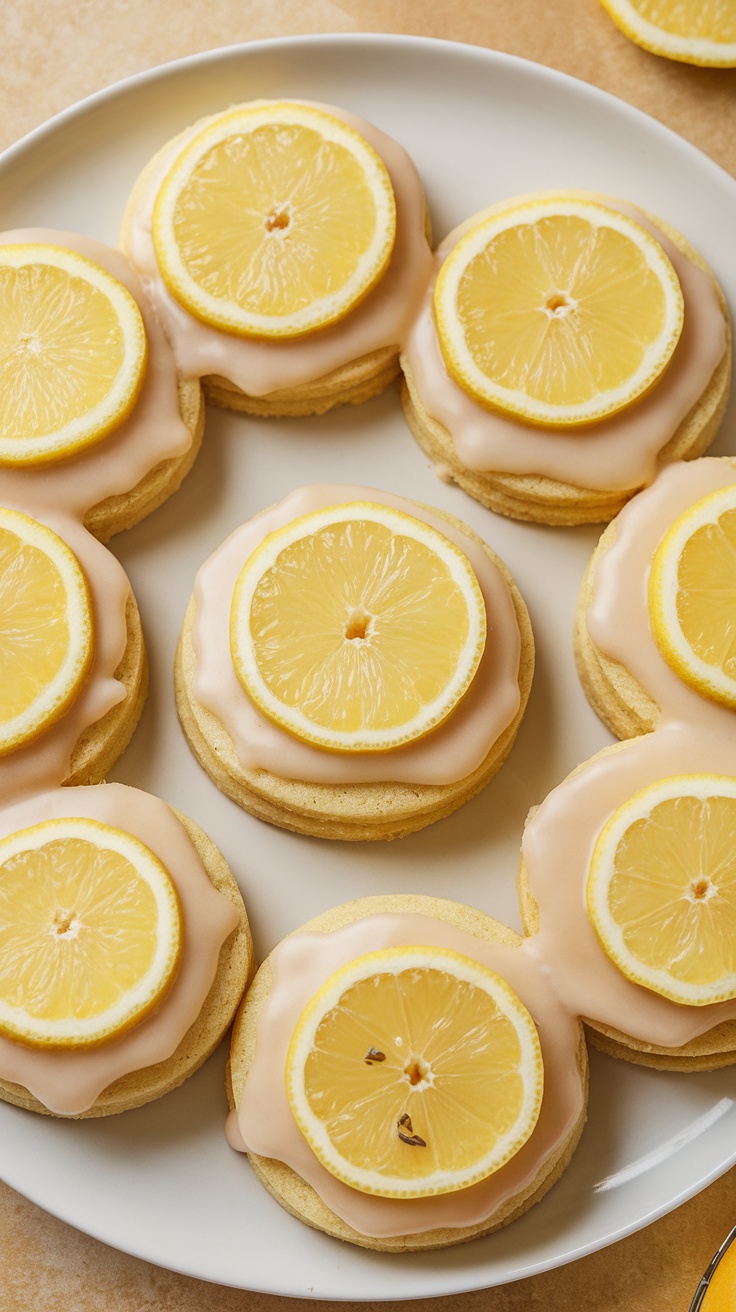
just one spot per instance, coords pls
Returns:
(451, 753)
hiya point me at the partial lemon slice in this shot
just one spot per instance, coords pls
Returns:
(694, 31)
(357, 628)
(692, 596)
(661, 890)
(276, 219)
(414, 1071)
(558, 311)
(73, 354)
(46, 634)
(90, 933)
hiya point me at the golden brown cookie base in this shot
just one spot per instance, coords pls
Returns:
(545, 500)
(288, 1188)
(99, 747)
(351, 812)
(707, 1052)
(234, 969)
(117, 513)
(351, 384)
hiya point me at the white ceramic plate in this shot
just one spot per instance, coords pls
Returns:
(161, 1182)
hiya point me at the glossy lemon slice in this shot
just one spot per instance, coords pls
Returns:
(73, 353)
(46, 634)
(693, 31)
(90, 933)
(559, 311)
(357, 628)
(661, 890)
(276, 220)
(692, 596)
(414, 1071)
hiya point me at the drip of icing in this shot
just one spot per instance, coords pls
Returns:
(260, 367)
(68, 1083)
(618, 616)
(616, 454)
(455, 748)
(153, 432)
(44, 763)
(300, 965)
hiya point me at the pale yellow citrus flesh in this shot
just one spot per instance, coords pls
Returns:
(73, 354)
(415, 1071)
(693, 31)
(276, 220)
(559, 311)
(661, 891)
(46, 629)
(692, 596)
(90, 933)
(357, 628)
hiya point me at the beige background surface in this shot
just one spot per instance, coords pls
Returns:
(54, 54)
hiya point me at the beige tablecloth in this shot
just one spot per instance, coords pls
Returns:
(51, 56)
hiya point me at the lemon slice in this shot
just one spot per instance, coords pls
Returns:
(694, 31)
(73, 354)
(275, 220)
(90, 933)
(414, 1071)
(661, 890)
(46, 633)
(692, 596)
(558, 311)
(357, 628)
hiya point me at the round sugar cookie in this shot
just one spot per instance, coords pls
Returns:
(348, 811)
(300, 1198)
(351, 360)
(586, 964)
(542, 497)
(234, 968)
(629, 705)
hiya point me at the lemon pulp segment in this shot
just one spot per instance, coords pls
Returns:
(357, 628)
(90, 933)
(276, 220)
(692, 596)
(661, 890)
(559, 311)
(73, 353)
(694, 31)
(46, 629)
(414, 1071)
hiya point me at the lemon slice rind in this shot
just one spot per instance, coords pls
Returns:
(665, 982)
(461, 363)
(690, 49)
(292, 718)
(226, 314)
(58, 695)
(95, 423)
(708, 679)
(20, 1024)
(466, 971)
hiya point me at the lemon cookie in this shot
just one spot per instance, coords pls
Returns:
(108, 435)
(73, 673)
(538, 412)
(400, 719)
(91, 1039)
(406, 1195)
(637, 666)
(624, 891)
(309, 311)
